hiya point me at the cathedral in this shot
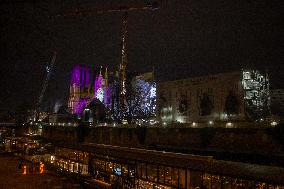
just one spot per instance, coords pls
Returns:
(90, 90)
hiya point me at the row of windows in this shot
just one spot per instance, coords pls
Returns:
(154, 174)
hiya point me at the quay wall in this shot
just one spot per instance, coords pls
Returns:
(268, 141)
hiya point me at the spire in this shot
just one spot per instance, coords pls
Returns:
(106, 73)
(153, 73)
(101, 70)
(106, 77)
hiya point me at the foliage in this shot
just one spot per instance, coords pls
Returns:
(140, 99)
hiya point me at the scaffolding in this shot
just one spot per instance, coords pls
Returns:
(256, 93)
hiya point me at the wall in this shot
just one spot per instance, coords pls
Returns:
(235, 143)
(171, 95)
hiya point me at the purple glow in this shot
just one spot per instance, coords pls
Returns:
(80, 105)
(107, 96)
(83, 72)
(80, 76)
(85, 77)
(87, 81)
(75, 76)
(98, 84)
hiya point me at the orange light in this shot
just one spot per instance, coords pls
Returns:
(41, 168)
(25, 170)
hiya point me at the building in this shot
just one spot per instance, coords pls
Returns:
(277, 104)
(88, 88)
(221, 97)
(277, 97)
(80, 88)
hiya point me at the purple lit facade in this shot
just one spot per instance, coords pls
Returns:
(97, 85)
(80, 105)
(76, 75)
(84, 87)
(80, 76)
(107, 96)
(80, 88)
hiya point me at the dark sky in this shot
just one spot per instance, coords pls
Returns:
(184, 38)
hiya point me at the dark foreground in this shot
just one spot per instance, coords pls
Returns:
(12, 178)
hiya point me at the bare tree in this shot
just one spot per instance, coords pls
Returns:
(140, 99)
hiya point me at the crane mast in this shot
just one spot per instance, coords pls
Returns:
(123, 64)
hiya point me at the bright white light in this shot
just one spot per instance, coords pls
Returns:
(152, 122)
(52, 158)
(100, 94)
(47, 68)
(211, 122)
(180, 119)
(194, 124)
(153, 92)
(273, 123)
(164, 123)
(224, 116)
(229, 124)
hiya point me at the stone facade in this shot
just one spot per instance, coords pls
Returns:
(220, 97)
(80, 88)
(277, 103)
(277, 97)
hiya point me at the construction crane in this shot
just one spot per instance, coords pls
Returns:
(123, 9)
(45, 84)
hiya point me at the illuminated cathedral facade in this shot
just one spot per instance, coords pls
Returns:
(86, 85)
(89, 88)
(80, 88)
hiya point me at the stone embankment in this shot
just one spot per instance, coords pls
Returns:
(259, 145)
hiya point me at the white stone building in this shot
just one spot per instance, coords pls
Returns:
(220, 97)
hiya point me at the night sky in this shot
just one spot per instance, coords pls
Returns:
(183, 38)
